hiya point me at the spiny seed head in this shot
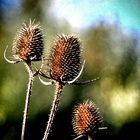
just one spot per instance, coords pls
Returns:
(64, 60)
(86, 119)
(28, 44)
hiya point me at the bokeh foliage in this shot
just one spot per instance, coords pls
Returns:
(110, 53)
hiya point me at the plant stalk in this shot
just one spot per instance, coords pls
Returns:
(89, 138)
(27, 100)
(55, 104)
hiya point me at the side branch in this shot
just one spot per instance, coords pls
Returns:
(85, 82)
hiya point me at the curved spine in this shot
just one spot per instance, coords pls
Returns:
(9, 61)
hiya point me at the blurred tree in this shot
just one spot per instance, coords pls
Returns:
(126, 71)
(35, 9)
(98, 48)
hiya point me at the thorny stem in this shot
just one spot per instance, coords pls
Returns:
(89, 138)
(27, 101)
(55, 104)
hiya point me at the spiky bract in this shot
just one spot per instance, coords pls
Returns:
(64, 60)
(28, 44)
(86, 119)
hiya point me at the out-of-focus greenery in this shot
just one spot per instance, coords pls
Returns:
(110, 54)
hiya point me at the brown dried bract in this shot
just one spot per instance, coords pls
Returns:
(86, 119)
(64, 60)
(28, 44)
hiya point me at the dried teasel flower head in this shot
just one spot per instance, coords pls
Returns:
(65, 59)
(28, 44)
(86, 119)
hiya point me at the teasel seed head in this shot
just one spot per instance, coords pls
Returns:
(28, 44)
(65, 58)
(86, 119)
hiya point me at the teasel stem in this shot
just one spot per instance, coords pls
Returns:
(28, 95)
(89, 138)
(57, 95)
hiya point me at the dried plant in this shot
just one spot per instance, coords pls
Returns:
(64, 68)
(86, 119)
(27, 47)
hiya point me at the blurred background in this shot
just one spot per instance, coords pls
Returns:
(109, 31)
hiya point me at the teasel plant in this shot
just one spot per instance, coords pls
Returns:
(27, 47)
(64, 68)
(87, 120)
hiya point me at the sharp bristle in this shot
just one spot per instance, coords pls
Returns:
(86, 118)
(28, 45)
(65, 58)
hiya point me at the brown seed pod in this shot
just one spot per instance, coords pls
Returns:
(64, 63)
(86, 119)
(28, 44)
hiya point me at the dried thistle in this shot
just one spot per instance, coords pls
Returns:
(28, 44)
(86, 119)
(65, 58)
(64, 68)
(28, 47)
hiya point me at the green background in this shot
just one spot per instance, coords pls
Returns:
(111, 53)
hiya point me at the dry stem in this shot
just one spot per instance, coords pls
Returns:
(27, 101)
(56, 100)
